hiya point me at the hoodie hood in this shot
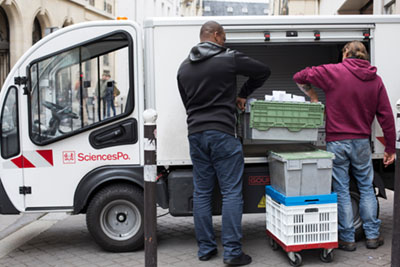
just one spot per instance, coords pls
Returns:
(205, 50)
(361, 68)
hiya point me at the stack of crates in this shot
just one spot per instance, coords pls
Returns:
(301, 211)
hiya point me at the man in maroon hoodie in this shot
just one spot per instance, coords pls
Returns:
(355, 94)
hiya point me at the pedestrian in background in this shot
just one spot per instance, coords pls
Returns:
(207, 85)
(355, 94)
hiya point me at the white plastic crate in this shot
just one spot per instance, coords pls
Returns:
(303, 224)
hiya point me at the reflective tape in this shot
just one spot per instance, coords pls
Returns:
(31, 159)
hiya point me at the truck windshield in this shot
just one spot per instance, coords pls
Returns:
(84, 86)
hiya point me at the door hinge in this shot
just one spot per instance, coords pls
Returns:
(23, 80)
(25, 190)
(20, 80)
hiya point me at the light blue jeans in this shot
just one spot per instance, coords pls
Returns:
(354, 154)
(217, 156)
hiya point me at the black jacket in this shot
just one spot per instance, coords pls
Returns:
(207, 84)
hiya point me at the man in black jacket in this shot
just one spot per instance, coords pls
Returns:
(207, 84)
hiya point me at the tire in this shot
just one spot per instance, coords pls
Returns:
(357, 222)
(325, 256)
(298, 260)
(273, 244)
(115, 218)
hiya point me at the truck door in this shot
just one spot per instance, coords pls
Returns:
(11, 178)
(82, 109)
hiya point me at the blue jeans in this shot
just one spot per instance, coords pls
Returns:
(110, 104)
(217, 156)
(354, 154)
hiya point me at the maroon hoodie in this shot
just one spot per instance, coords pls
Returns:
(354, 95)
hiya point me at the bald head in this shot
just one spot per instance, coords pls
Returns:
(212, 31)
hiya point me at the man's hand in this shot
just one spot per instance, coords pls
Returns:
(309, 91)
(388, 158)
(241, 103)
(313, 96)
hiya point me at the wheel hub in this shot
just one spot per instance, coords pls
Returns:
(121, 217)
(120, 220)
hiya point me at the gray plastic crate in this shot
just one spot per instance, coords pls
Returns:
(285, 134)
(301, 173)
(278, 134)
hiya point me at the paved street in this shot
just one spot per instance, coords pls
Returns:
(68, 243)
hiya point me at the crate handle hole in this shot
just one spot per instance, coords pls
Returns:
(311, 210)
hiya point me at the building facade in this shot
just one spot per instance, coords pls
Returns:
(23, 23)
(139, 10)
(189, 8)
(377, 7)
(334, 7)
(235, 7)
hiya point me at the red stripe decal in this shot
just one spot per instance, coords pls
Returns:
(26, 163)
(22, 162)
(382, 140)
(47, 155)
(17, 161)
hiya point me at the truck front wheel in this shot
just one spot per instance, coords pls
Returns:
(115, 218)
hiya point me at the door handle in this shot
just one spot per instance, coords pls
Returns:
(109, 136)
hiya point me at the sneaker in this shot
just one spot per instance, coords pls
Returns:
(209, 255)
(347, 246)
(375, 243)
(242, 259)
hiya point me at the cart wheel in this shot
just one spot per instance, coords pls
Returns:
(326, 255)
(273, 244)
(297, 259)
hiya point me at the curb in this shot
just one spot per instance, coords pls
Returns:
(26, 219)
(26, 228)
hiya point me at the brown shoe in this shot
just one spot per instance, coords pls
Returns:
(347, 246)
(375, 243)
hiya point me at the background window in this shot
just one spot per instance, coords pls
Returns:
(36, 31)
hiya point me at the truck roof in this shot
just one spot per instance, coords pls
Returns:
(273, 20)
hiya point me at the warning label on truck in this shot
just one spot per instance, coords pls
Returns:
(259, 180)
(261, 204)
(70, 157)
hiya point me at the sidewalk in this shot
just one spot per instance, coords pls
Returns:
(68, 243)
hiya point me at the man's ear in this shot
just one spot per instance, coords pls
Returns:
(345, 54)
(215, 35)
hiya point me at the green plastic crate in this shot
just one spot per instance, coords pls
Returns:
(294, 116)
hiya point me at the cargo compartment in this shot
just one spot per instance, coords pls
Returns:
(284, 60)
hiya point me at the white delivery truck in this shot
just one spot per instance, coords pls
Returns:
(66, 148)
